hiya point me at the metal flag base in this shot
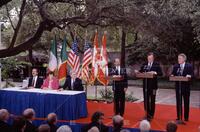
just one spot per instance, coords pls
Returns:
(180, 122)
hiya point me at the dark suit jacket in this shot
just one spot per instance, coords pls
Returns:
(78, 86)
(101, 127)
(5, 127)
(30, 127)
(152, 83)
(119, 86)
(188, 70)
(39, 82)
(53, 128)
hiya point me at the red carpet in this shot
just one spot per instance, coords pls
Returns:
(134, 112)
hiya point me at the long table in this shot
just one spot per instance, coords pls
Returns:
(68, 105)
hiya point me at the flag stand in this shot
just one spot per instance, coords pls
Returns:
(106, 93)
(95, 91)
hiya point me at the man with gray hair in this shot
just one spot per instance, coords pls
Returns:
(44, 128)
(51, 121)
(144, 126)
(29, 115)
(93, 129)
(4, 116)
(73, 82)
(182, 88)
(64, 128)
(118, 122)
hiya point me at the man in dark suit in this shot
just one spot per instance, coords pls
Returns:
(73, 83)
(186, 70)
(96, 121)
(51, 121)
(4, 116)
(119, 87)
(150, 85)
(29, 114)
(35, 81)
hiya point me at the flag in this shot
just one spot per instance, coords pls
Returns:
(62, 68)
(74, 59)
(87, 59)
(103, 63)
(53, 62)
(95, 59)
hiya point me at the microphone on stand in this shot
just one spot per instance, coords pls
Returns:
(179, 72)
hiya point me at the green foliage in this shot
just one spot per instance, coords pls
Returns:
(108, 95)
(9, 65)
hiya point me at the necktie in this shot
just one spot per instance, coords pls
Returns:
(117, 72)
(72, 85)
(182, 68)
(33, 81)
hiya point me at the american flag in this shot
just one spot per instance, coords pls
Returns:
(74, 59)
(87, 59)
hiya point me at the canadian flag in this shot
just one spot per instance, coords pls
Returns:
(95, 60)
(103, 63)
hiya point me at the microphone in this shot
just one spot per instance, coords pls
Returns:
(179, 72)
(146, 68)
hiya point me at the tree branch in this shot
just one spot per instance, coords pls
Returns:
(8, 15)
(43, 26)
(16, 30)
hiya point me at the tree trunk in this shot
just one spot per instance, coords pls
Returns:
(123, 44)
(30, 56)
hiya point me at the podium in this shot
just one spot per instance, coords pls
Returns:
(145, 76)
(115, 78)
(180, 79)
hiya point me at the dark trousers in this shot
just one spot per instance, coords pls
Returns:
(149, 101)
(185, 94)
(119, 102)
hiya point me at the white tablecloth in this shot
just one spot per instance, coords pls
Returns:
(64, 92)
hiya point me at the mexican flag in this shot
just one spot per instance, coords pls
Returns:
(62, 68)
(53, 63)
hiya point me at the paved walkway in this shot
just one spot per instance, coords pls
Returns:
(164, 96)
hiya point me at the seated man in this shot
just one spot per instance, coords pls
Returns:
(19, 124)
(118, 123)
(35, 81)
(73, 83)
(64, 128)
(4, 116)
(96, 121)
(171, 127)
(145, 126)
(51, 121)
(29, 114)
(44, 128)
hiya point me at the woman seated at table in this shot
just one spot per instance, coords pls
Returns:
(51, 82)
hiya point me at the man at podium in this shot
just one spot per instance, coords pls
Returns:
(186, 70)
(120, 86)
(150, 85)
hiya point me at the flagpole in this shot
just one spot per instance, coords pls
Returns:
(86, 89)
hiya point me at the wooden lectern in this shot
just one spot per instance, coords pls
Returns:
(180, 79)
(115, 78)
(145, 75)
